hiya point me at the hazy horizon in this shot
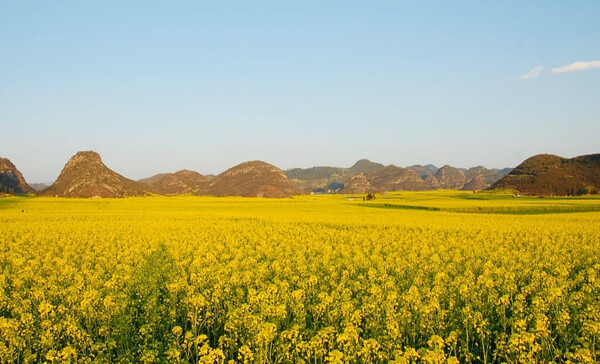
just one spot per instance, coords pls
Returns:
(156, 87)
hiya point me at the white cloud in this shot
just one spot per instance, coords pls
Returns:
(533, 73)
(577, 66)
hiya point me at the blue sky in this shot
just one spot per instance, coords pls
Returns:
(161, 86)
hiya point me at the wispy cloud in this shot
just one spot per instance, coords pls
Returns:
(533, 73)
(576, 66)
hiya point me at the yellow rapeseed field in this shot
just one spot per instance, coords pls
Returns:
(431, 277)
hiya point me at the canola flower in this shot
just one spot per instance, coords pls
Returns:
(302, 280)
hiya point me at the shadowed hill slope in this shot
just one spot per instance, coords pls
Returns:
(475, 184)
(11, 179)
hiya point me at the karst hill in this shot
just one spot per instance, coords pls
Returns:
(184, 181)
(252, 179)
(85, 175)
(551, 175)
(11, 179)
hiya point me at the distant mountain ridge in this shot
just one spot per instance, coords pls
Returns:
(424, 171)
(328, 178)
(85, 175)
(184, 181)
(393, 178)
(311, 173)
(551, 175)
(363, 166)
(40, 186)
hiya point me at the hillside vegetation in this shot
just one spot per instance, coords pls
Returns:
(550, 175)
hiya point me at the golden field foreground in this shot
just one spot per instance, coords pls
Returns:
(434, 277)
